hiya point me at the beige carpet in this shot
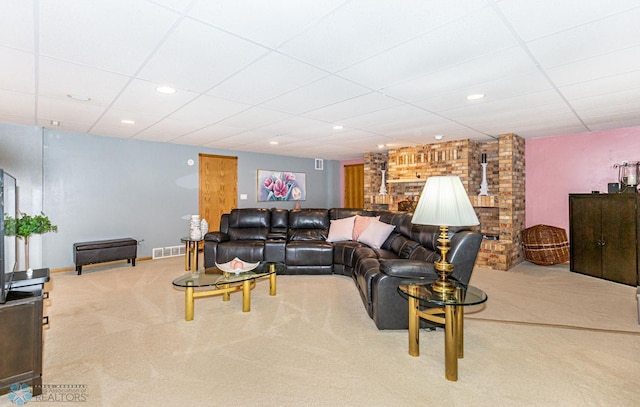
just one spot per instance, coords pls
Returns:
(120, 332)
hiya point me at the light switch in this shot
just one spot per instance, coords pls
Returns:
(243, 197)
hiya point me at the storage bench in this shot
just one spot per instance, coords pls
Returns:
(104, 250)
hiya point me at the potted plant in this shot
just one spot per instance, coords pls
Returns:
(26, 225)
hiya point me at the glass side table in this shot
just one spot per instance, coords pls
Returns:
(449, 304)
(191, 253)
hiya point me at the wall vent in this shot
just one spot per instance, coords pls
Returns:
(170, 251)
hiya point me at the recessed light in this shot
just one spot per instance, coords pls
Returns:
(126, 121)
(338, 127)
(273, 143)
(55, 123)
(380, 146)
(476, 96)
(166, 89)
(438, 137)
(79, 98)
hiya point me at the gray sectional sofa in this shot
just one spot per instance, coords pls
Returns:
(304, 240)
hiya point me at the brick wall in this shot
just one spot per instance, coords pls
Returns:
(501, 214)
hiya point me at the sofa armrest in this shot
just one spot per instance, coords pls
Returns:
(216, 237)
(407, 268)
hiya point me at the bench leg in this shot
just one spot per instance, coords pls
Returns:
(79, 269)
(133, 262)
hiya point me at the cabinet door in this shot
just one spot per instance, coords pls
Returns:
(20, 343)
(619, 239)
(585, 232)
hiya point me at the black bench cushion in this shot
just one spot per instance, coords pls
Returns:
(104, 244)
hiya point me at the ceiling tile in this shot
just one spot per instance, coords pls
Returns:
(14, 61)
(17, 107)
(17, 26)
(101, 34)
(265, 22)
(197, 57)
(600, 37)
(381, 25)
(267, 78)
(141, 96)
(508, 63)
(253, 118)
(337, 112)
(610, 84)
(452, 44)
(208, 110)
(324, 92)
(58, 79)
(602, 66)
(534, 19)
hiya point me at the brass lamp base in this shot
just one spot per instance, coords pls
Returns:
(443, 267)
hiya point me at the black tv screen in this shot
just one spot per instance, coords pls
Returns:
(8, 246)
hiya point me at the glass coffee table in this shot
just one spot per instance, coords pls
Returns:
(449, 304)
(217, 282)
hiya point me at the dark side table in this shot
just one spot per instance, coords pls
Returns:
(449, 304)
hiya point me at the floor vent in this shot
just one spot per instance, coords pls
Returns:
(171, 251)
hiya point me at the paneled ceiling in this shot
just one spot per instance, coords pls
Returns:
(249, 73)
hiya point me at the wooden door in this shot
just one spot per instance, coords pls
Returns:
(218, 182)
(354, 186)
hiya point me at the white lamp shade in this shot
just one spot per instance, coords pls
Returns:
(444, 202)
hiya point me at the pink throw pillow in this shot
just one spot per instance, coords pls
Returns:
(341, 229)
(376, 233)
(361, 224)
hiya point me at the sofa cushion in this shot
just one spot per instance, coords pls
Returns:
(309, 253)
(341, 229)
(376, 233)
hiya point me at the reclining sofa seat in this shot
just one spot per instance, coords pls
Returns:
(298, 239)
(242, 234)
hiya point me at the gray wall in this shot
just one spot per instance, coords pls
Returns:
(96, 187)
(21, 150)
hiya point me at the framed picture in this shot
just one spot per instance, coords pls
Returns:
(281, 186)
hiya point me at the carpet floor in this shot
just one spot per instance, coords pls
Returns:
(546, 337)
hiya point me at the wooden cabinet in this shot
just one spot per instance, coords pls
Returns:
(21, 324)
(603, 232)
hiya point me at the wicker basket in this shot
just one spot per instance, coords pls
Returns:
(545, 245)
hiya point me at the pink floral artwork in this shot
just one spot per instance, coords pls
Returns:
(281, 186)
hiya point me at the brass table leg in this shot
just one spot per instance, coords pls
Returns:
(246, 296)
(188, 304)
(414, 325)
(226, 296)
(195, 256)
(187, 257)
(450, 344)
(272, 284)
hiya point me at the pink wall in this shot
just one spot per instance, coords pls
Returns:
(577, 163)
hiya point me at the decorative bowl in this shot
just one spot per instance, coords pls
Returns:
(237, 266)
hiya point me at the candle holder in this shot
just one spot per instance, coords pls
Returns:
(383, 184)
(484, 186)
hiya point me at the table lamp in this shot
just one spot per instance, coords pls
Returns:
(444, 202)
